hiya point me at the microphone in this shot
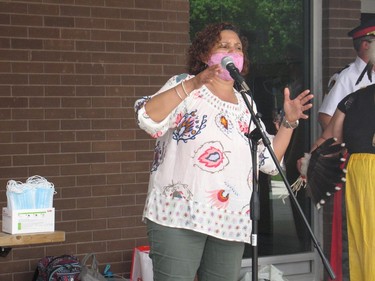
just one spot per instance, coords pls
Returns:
(228, 64)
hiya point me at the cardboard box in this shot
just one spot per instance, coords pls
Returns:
(28, 220)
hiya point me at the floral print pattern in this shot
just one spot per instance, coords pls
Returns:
(201, 175)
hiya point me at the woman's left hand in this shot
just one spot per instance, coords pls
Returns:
(294, 109)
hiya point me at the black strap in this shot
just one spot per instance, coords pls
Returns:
(36, 274)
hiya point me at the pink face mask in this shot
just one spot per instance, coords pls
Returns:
(216, 59)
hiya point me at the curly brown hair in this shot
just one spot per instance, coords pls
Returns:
(205, 40)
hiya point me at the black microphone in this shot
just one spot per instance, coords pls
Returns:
(228, 64)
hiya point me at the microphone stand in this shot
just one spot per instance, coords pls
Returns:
(255, 136)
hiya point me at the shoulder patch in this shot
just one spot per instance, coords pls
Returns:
(332, 80)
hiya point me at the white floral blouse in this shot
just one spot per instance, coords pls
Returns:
(201, 175)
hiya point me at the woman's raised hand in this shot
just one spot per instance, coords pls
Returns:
(294, 109)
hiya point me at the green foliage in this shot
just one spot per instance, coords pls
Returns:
(203, 12)
(269, 25)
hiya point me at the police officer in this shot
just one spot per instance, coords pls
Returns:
(344, 82)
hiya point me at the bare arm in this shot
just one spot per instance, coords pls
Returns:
(161, 105)
(334, 129)
(323, 120)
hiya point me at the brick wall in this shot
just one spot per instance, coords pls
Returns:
(70, 72)
(339, 17)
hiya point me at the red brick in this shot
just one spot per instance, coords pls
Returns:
(90, 90)
(11, 7)
(27, 43)
(51, 79)
(28, 160)
(79, 237)
(120, 3)
(156, 4)
(28, 137)
(60, 90)
(12, 172)
(41, 32)
(59, 113)
(46, 171)
(138, 14)
(119, 47)
(65, 181)
(13, 79)
(98, 202)
(75, 11)
(110, 13)
(121, 179)
(27, 67)
(94, 247)
(107, 80)
(120, 24)
(136, 36)
(27, 114)
(53, 44)
(5, 161)
(27, 20)
(106, 124)
(128, 244)
(95, 46)
(13, 31)
(15, 266)
(59, 136)
(91, 180)
(88, 22)
(43, 9)
(106, 190)
(28, 253)
(9, 149)
(90, 157)
(119, 69)
(75, 147)
(44, 125)
(120, 113)
(91, 135)
(107, 146)
(120, 134)
(120, 91)
(74, 79)
(62, 159)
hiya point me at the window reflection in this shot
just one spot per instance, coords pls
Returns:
(281, 229)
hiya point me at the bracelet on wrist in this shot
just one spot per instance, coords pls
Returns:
(183, 88)
(178, 93)
(289, 125)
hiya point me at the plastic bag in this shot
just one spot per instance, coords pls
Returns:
(266, 273)
(90, 272)
(141, 265)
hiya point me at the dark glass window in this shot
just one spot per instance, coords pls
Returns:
(279, 53)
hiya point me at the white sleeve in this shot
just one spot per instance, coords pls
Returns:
(266, 163)
(337, 93)
(157, 129)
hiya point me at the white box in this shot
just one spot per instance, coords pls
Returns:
(28, 220)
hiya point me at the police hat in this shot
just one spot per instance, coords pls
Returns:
(365, 29)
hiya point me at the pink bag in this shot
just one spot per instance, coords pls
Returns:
(141, 265)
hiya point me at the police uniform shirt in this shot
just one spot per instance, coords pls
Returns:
(344, 85)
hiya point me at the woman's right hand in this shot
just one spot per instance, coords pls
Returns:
(207, 75)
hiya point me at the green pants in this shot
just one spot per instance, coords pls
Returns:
(179, 254)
